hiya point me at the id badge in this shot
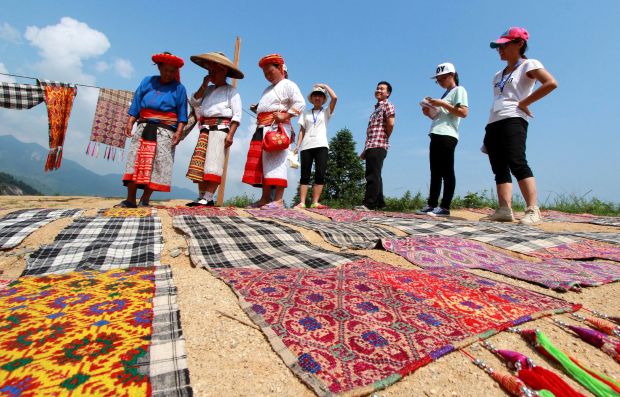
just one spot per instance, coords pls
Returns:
(498, 104)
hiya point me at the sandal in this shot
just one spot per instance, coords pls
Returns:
(144, 205)
(126, 204)
(300, 205)
(319, 206)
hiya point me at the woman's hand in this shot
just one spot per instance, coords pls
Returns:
(228, 141)
(525, 109)
(296, 150)
(128, 130)
(426, 111)
(176, 138)
(437, 102)
(205, 82)
(281, 117)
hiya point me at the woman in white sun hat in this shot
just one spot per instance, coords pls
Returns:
(506, 132)
(446, 114)
(312, 143)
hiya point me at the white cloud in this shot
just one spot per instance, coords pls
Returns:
(123, 67)
(5, 79)
(102, 66)
(9, 33)
(64, 46)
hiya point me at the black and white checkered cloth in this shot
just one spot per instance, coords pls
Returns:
(227, 242)
(20, 96)
(167, 358)
(100, 244)
(510, 237)
(607, 237)
(16, 226)
(358, 235)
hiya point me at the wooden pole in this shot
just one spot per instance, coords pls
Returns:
(220, 192)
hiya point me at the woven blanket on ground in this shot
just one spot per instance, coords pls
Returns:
(365, 325)
(16, 226)
(611, 238)
(281, 213)
(111, 117)
(100, 244)
(344, 215)
(114, 333)
(562, 275)
(20, 96)
(202, 211)
(513, 238)
(358, 235)
(584, 249)
(4, 283)
(234, 242)
(127, 212)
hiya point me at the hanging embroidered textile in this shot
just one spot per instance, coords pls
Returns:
(59, 99)
(109, 122)
(20, 96)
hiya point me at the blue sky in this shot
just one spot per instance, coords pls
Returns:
(573, 139)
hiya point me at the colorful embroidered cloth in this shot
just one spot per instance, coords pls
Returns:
(20, 96)
(4, 283)
(611, 238)
(115, 333)
(358, 235)
(59, 99)
(278, 213)
(16, 226)
(100, 244)
(584, 249)
(562, 275)
(234, 242)
(201, 211)
(366, 325)
(345, 215)
(127, 212)
(111, 117)
(195, 171)
(559, 216)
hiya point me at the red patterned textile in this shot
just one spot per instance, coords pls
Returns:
(253, 173)
(271, 59)
(59, 100)
(110, 119)
(201, 211)
(144, 162)
(365, 325)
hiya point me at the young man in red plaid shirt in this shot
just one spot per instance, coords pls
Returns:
(380, 127)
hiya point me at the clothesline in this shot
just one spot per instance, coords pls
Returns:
(85, 85)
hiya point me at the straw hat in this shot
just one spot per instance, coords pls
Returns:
(203, 61)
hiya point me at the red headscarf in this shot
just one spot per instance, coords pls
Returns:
(271, 59)
(171, 60)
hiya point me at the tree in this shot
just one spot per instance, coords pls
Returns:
(344, 185)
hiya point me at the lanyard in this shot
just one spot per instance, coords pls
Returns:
(445, 94)
(315, 118)
(503, 81)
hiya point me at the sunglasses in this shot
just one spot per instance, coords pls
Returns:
(505, 44)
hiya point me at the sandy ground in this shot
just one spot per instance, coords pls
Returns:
(229, 356)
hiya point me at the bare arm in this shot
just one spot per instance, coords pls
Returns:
(201, 91)
(231, 133)
(389, 125)
(459, 111)
(548, 84)
(129, 125)
(302, 132)
(332, 95)
(177, 136)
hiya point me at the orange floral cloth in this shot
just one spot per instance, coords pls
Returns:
(59, 100)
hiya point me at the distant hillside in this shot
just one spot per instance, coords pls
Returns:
(10, 186)
(25, 161)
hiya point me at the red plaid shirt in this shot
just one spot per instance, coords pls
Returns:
(376, 137)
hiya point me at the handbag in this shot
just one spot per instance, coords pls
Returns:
(276, 140)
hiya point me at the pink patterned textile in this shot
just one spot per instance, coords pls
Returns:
(366, 325)
(584, 249)
(558, 274)
(278, 213)
(199, 211)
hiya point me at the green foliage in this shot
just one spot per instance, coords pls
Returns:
(579, 204)
(239, 201)
(8, 184)
(406, 203)
(344, 185)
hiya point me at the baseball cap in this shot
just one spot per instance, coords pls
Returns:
(444, 68)
(510, 35)
(319, 90)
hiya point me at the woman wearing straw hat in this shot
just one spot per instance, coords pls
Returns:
(218, 109)
(266, 161)
(446, 113)
(160, 107)
(312, 143)
(506, 132)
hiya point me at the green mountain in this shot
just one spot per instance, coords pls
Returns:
(25, 162)
(10, 186)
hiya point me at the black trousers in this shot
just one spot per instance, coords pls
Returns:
(505, 142)
(373, 198)
(319, 156)
(442, 169)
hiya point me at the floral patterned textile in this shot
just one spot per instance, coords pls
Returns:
(202, 211)
(585, 249)
(563, 275)
(279, 213)
(110, 121)
(59, 99)
(365, 325)
(344, 215)
(127, 212)
(90, 333)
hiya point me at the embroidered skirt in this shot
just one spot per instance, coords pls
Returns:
(262, 167)
(207, 163)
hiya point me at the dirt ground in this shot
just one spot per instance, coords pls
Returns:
(229, 356)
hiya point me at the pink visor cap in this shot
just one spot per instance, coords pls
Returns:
(510, 35)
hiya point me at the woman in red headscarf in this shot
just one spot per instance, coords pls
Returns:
(280, 102)
(160, 107)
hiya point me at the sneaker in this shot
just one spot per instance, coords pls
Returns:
(502, 214)
(532, 216)
(439, 212)
(300, 205)
(210, 203)
(202, 203)
(361, 208)
(425, 210)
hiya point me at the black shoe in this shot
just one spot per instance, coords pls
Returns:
(210, 203)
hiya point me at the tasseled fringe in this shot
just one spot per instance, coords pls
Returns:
(109, 153)
(606, 317)
(596, 338)
(54, 159)
(598, 384)
(602, 325)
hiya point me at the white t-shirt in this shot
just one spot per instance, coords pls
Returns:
(285, 96)
(222, 101)
(517, 87)
(315, 127)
